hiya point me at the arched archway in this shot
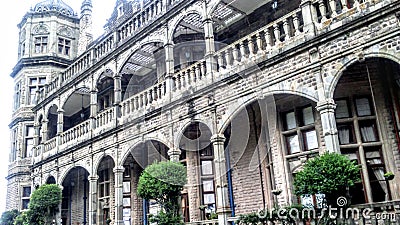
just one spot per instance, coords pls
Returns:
(52, 119)
(144, 68)
(265, 142)
(76, 108)
(105, 190)
(105, 90)
(189, 41)
(198, 156)
(51, 180)
(367, 118)
(136, 209)
(75, 193)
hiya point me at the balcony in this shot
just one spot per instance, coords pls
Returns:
(279, 37)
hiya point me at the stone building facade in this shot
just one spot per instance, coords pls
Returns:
(241, 92)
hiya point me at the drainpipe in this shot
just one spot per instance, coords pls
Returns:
(84, 201)
(230, 186)
(145, 212)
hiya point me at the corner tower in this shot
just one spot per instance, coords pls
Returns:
(86, 35)
(48, 43)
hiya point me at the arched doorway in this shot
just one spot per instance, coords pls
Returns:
(199, 197)
(75, 193)
(135, 209)
(367, 117)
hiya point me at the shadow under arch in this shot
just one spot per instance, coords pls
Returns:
(75, 193)
(354, 60)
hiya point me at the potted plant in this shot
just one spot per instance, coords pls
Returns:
(108, 220)
(389, 176)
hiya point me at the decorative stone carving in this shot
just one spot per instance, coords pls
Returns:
(41, 29)
(65, 31)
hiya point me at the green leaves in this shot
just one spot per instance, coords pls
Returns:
(43, 205)
(329, 173)
(8, 217)
(163, 182)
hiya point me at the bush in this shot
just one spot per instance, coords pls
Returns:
(21, 219)
(44, 204)
(163, 182)
(8, 217)
(330, 174)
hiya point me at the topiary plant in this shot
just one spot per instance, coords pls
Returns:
(163, 182)
(44, 204)
(8, 217)
(330, 174)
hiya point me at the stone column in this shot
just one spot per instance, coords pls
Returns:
(210, 46)
(174, 154)
(169, 68)
(92, 199)
(117, 95)
(306, 11)
(223, 206)
(118, 173)
(60, 121)
(45, 131)
(93, 108)
(117, 89)
(327, 108)
(60, 127)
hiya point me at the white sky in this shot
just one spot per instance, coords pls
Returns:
(12, 14)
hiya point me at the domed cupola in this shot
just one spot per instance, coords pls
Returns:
(54, 5)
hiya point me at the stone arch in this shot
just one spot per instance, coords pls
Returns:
(69, 168)
(51, 104)
(126, 152)
(212, 6)
(336, 77)
(50, 179)
(105, 72)
(70, 93)
(155, 39)
(236, 108)
(186, 124)
(173, 24)
(99, 159)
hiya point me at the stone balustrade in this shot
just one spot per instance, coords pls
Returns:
(74, 134)
(286, 32)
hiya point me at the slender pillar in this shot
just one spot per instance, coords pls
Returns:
(60, 121)
(306, 11)
(327, 110)
(118, 173)
(117, 96)
(93, 108)
(117, 89)
(221, 181)
(92, 199)
(60, 127)
(211, 65)
(44, 131)
(174, 154)
(169, 68)
(326, 107)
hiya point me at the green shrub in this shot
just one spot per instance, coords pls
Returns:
(163, 182)
(330, 174)
(8, 217)
(44, 204)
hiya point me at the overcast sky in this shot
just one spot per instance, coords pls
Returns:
(13, 11)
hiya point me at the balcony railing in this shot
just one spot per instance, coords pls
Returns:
(286, 32)
(146, 15)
